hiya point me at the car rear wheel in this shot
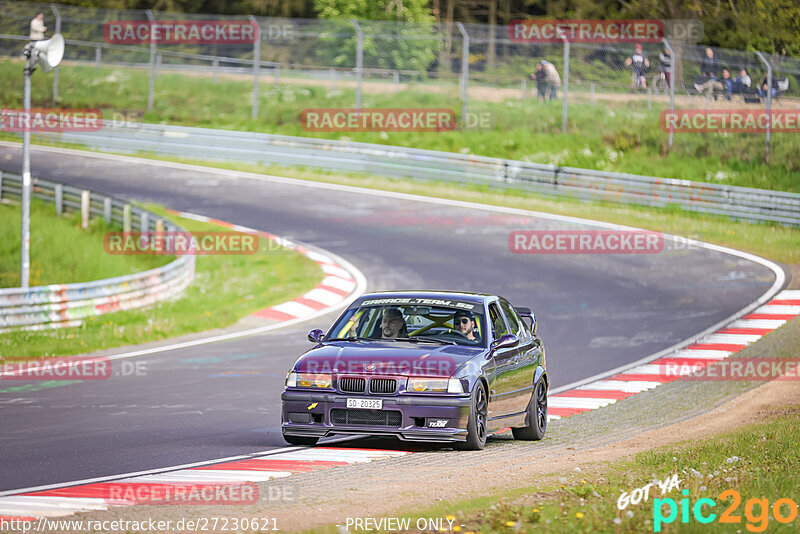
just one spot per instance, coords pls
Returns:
(300, 440)
(476, 425)
(537, 415)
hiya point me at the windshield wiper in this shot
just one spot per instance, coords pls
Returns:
(427, 340)
(349, 339)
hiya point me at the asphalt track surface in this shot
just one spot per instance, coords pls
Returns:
(595, 312)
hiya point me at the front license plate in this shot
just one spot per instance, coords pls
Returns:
(367, 404)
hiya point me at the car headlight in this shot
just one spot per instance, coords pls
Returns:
(434, 385)
(309, 380)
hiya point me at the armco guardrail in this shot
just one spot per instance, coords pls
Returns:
(67, 304)
(385, 160)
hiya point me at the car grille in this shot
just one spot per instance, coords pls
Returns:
(382, 386)
(351, 384)
(340, 416)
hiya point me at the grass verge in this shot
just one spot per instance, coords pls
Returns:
(226, 288)
(61, 251)
(758, 461)
(621, 136)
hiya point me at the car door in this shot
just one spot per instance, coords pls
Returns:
(526, 360)
(501, 389)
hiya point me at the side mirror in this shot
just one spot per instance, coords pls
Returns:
(315, 336)
(506, 341)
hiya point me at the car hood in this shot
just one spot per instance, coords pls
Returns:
(386, 358)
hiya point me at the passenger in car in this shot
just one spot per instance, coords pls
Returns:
(464, 322)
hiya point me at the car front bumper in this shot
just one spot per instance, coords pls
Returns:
(309, 414)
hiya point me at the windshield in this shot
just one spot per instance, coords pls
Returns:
(447, 322)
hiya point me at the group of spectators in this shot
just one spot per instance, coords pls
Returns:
(708, 82)
(712, 80)
(547, 80)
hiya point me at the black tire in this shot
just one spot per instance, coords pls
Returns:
(300, 440)
(476, 425)
(537, 416)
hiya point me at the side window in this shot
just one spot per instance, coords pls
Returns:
(499, 328)
(511, 315)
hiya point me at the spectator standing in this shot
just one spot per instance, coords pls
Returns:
(37, 27)
(541, 82)
(638, 63)
(665, 63)
(553, 79)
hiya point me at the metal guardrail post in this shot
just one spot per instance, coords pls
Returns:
(98, 55)
(769, 104)
(359, 61)
(144, 221)
(152, 82)
(159, 226)
(126, 218)
(107, 209)
(85, 204)
(59, 196)
(671, 88)
(464, 72)
(1, 185)
(524, 88)
(57, 14)
(256, 64)
(591, 94)
(214, 67)
(565, 96)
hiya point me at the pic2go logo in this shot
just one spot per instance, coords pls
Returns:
(756, 511)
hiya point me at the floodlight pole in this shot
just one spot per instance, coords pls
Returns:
(25, 236)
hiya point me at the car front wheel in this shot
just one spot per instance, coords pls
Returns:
(537, 415)
(476, 425)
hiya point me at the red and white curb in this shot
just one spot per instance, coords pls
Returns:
(138, 490)
(340, 282)
(711, 348)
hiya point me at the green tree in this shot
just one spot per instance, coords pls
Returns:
(398, 34)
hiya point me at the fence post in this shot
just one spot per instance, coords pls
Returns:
(524, 88)
(591, 94)
(57, 14)
(565, 96)
(396, 79)
(464, 72)
(671, 88)
(359, 61)
(59, 193)
(144, 220)
(151, 84)
(256, 64)
(85, 199)
(769, 104)
(98, 54)
(277, 74)
(107, 209)
(214, 66)
(1, 185)
(126, 218)
(160, 226)
(333, 79)
(649, 99)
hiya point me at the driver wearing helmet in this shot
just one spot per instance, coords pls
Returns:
(464, 323)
